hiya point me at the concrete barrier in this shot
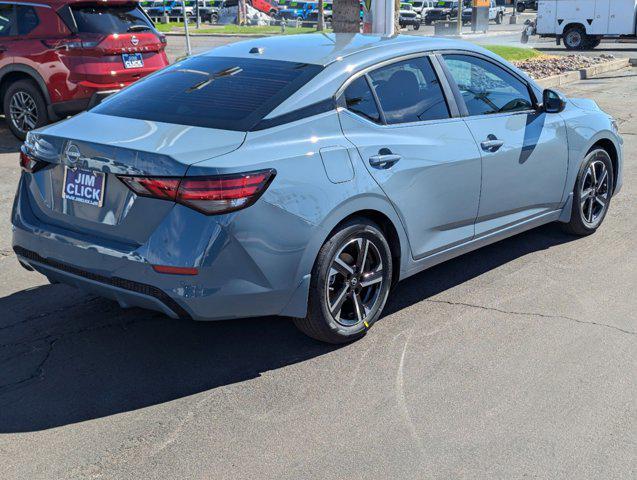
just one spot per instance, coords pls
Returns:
(585, 73)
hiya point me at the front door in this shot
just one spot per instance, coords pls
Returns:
(524, 151)
(427, 163)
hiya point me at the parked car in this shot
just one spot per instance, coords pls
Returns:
(161, 8)
(294, 11)
(210, 13)
(496, 13)
(523, 5)
(317, 188)
(269, 7)
(60, 58)
(421, 7)
(444, 10)
(189, 5)
(408, 17)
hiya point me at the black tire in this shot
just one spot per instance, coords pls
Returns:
(521, 7)
(24, 89)
(498, 18)
(345, 325)
(575, 38)
(583, 220)
(416, 26)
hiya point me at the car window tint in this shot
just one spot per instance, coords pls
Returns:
(6, 19)
(27, 19)
(409, 91)
(487, 88)
(107, 19)
(208, 91)
(360, 100)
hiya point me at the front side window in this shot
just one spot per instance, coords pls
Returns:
(487, 88)
(7, 19)
(409, 91)
(27, 19)
(208, 91)
(360, 100)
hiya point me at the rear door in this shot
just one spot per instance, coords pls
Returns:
(524, 151)
(425, 160)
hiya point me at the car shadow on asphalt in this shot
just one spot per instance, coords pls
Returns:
(66, 357)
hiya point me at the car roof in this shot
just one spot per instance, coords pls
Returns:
(324, 49)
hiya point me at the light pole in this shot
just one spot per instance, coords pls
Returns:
(188, 50)
(460, 6)
(514, 17)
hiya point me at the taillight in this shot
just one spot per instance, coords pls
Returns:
(73, 43)
(208, 195)
(30, 164)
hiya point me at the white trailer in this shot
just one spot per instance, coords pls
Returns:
(582, 24)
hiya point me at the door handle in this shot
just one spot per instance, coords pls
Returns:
(492, 144)
(384, 159)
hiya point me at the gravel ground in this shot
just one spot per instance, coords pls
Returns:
(548, 66)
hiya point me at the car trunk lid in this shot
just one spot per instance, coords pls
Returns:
(126, 147)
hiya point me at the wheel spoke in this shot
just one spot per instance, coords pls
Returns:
(335, 308)
(371, 278)
(358, 307)
(593, 174)
(342, 267)
(590, 210)
(602, 178)
(601, 199)
(363, 247)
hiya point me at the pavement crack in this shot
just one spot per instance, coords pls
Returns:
(38, 316)
(533, 314)
(38, 372)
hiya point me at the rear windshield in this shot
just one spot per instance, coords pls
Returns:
(214, 92)
(109, 19)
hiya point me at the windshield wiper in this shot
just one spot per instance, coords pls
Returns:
(228, 72)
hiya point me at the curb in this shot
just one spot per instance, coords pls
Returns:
(224, 35)
(585, 73)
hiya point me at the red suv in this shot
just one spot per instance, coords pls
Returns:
(58, 58)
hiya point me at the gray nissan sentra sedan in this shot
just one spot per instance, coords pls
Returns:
(303, 176)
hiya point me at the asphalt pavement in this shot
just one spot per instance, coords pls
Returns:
(515, 361)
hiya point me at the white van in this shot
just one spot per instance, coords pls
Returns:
(582, 24)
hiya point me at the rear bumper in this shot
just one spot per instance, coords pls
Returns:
(71, 107)
(243, 272)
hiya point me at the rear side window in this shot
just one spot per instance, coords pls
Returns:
(360, 100)
(214, 92)
(409, 91)
(27, 19)
(107, 19)
(7, 19)
(487, 88)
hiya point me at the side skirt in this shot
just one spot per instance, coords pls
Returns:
(480, 242)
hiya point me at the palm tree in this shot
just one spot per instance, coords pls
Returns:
(319, 21)
(346, 16)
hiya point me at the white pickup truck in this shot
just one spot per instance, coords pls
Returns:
(582, 24)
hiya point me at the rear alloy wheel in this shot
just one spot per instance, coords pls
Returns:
(350, 283)
(592, 195)
(575, 38)
(24, 108)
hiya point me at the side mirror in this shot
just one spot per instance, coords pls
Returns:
(553, 102)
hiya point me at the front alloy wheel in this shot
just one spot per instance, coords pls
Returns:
(592, 194)
(595, 194)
